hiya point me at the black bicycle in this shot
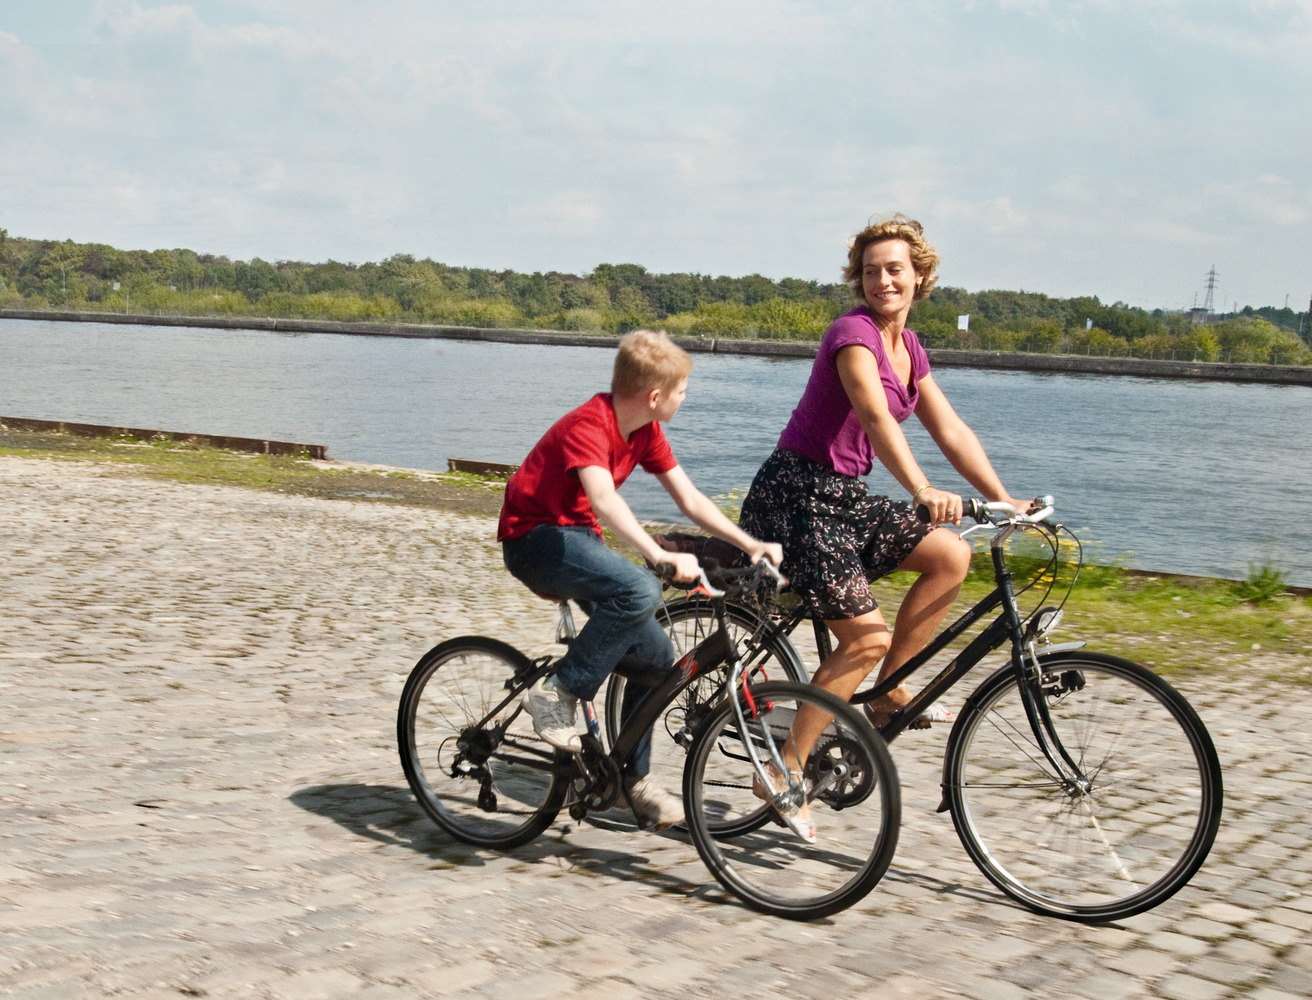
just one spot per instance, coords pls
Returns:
(478, 769)
(1081, 784)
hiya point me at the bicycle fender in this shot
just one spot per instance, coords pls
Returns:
(1062, 647)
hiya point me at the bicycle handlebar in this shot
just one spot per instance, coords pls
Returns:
(997, 512)
(717, 581)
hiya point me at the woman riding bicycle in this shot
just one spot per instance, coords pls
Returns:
(870, 374)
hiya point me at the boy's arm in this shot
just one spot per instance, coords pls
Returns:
(614, 513)
(701, 510)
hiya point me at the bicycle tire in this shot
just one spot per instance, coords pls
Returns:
(770, 868)
(1124, 844)
(688, 621)
(495, 784)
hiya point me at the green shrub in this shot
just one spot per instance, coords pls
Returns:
(1198, 343)
(996, 339)
(1099, 343)
(679, 325)
(1155, 345)
(1264, 583)
(486, 313)
(782, 319)
(720, 319)
(1039, 336)
(582, 319)
(208, 301)
(936, 332)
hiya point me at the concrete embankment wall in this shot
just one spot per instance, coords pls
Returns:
(1056, 363)
(257, 446)
(1142, 367)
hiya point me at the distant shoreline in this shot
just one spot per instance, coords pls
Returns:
(1067, 364)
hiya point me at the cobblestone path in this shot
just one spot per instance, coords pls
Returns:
(200, 795)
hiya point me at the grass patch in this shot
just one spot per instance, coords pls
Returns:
(183, 462)
(1174, 624)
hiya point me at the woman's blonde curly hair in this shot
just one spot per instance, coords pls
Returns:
(898, 227)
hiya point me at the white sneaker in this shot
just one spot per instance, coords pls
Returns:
(654, 807)
(555, 714)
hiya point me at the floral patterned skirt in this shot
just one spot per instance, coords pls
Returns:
(836, 535)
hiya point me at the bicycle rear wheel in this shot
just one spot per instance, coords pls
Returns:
(1125, 839)
(853, 794)
(468, 749)
(687, 622)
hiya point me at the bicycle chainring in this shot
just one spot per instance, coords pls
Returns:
(842, 771)
(596, 783)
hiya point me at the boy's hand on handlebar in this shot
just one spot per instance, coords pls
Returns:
(685, 565)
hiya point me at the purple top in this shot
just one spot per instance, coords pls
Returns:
(824, 426)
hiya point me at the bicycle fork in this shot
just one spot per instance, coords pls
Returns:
(1068, 771)
(1029, 678)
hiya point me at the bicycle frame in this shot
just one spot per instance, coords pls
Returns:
(708, 655)
(1009, 625)
(716, 649)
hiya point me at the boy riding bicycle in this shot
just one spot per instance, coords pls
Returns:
(551, 535)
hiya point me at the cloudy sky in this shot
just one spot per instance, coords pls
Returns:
(1119, 149)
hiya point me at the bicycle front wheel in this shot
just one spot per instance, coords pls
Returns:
(1127, 831)
(469, 750)
(852, 791)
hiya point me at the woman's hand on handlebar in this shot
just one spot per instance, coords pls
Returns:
(943, 507)
(1023, 506)
(772, 552)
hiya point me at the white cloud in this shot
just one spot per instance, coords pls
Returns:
(736, 137)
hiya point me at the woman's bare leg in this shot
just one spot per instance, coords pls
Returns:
(862, 642)
(942, 559)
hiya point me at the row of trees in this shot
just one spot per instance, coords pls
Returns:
(37, 274)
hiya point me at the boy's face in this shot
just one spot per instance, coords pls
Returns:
(667, 404)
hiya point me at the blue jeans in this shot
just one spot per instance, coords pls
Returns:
(620, 599)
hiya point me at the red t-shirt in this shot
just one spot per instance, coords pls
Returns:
(546, 488)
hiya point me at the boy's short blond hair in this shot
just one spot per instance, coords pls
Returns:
(648, 359)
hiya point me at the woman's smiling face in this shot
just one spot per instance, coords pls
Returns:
(889, 279)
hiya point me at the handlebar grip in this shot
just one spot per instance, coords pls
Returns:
(970, 507)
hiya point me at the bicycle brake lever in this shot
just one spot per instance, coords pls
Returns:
(704, 588)
(771, 570)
